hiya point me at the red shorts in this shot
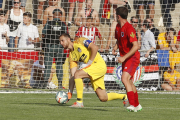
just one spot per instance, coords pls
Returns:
(130, 65)
(71, 1)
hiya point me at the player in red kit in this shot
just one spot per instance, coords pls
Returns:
(129, 55)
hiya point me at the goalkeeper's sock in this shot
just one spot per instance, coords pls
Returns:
(131, 98)
(79, 89)
(114, 96)
(136, 101)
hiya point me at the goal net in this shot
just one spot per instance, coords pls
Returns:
(46, 64)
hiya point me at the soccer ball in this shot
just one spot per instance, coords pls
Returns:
(61, 97)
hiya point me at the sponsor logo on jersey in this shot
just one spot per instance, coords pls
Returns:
(132, 34)
(122, 34)
(82, 58)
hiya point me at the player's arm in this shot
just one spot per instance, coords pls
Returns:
(132, 51)
(114, 49)
(45, 17)
(94, 50)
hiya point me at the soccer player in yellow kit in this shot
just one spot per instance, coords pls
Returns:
(84, 50)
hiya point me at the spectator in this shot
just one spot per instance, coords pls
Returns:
(141, 4)
(171, 80)
(27, 33)
(4, 31)
(134, 23)
(48, 13)
(37, 72)
(168, 41)
(114, 4)
(166, 5)
(1, 3)
(90, 32)
(111, 39)
(147, 41)
(14, 18)
(71, 9)
(153, 29)
(88, 11)
(53, 29)
(39, 11)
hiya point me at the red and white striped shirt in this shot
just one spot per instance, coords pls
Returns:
(88, 33)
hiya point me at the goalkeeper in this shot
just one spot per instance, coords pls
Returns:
(84, 50)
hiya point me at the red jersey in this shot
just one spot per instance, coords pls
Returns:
(88, 33)
(125, 36)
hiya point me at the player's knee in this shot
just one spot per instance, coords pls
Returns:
(77, 75)
(103, 99)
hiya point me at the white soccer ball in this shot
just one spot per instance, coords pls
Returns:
(61, 97)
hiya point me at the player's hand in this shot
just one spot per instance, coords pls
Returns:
(120, 59)
(114, 52)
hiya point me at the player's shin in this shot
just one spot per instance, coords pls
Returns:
(131, 98)
(79, 89)
(113, 96)
(136, 99)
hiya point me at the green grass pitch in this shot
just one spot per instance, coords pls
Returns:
(16, 106)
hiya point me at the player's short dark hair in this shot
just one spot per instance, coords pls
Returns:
(2, 12)
(65, 35)
(27, 14)
(146, 23)
(122, 11)
(133, 17)
(171, 29)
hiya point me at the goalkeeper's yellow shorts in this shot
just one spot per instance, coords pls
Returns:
(96, 72)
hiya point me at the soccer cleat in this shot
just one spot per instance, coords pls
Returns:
(126, 103)
(128, 6)
(77, 104)
(131, 108)
(138, 108)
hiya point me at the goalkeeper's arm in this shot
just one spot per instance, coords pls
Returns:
(71, 83)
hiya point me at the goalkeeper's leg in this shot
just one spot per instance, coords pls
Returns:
(79, 87)
(103, 96)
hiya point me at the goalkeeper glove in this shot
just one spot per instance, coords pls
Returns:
(69, 96)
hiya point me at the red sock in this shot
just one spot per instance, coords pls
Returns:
(131, 99)
(136, 101)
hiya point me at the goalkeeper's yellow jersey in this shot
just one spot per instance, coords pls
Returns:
(81, 53)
